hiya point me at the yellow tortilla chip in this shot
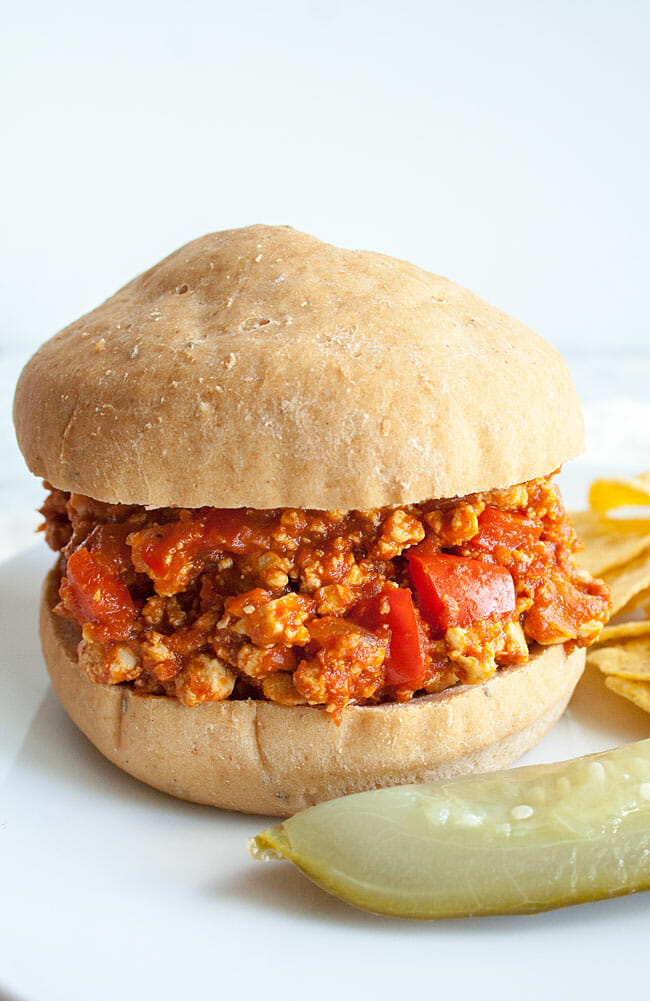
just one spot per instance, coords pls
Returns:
(609, 542)
(618, 550)
(636, 691)
(625, 660)
(624, 631)
(629, 584)
(639, 601)
(607, 494)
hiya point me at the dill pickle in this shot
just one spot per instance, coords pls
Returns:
(519, 841)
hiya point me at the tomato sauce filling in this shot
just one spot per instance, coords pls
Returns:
(321, 608)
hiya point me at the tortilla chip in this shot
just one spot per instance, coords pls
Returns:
(629, 584)
(636, 691)
(609, 542)
(624, 631)
(625, 660)
(618, 550)
(607, 494)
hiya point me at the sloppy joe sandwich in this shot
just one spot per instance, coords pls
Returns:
(309, 537)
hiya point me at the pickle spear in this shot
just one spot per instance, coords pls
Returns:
(513, 842)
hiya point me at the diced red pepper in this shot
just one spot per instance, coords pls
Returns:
(95, 595)
(404, 663)
(505, 528)
(458, 591)
(173, 554)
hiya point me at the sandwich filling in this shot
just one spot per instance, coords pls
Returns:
(320, 608)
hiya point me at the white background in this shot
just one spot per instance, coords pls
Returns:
(504, 144)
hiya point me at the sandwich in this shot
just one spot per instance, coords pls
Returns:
(309, 540)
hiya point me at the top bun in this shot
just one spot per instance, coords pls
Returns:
(262, 368)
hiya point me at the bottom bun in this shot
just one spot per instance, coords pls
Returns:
(260, 757)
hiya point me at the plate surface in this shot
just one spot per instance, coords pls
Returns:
(111, 890)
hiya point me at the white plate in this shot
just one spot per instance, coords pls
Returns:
(110, 891)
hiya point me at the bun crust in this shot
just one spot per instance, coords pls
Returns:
(259, 757)
(263, 368)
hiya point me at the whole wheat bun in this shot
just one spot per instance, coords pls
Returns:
(263, 368)
(260, 757)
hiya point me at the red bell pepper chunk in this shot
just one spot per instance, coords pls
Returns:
(171, 554)
(93, 594)
(505, 528)
(404, 663)
(458, 591)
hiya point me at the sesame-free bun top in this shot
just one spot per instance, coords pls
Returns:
(260, 367)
